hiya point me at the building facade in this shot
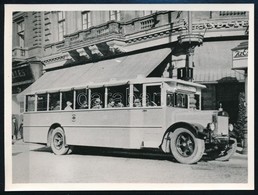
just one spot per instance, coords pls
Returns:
(51, 40)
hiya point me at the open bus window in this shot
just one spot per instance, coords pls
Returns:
(30, 103)
(97, 98)
(197, 98)
(171, 99)
(81, 99)
(54, 101)
(181, 100)
(177, 100)
(42, 102)
(153, 95)
(67, 100)
(118, 96)
(137, 95)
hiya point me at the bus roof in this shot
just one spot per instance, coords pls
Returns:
(114, 82)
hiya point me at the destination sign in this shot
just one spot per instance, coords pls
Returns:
(186, 88)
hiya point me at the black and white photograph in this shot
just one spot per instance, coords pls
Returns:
(154, 97)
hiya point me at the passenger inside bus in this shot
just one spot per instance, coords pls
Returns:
(150, 103)
(68, 106)
(97, 104)
(119, 104)
(84, 105)
(57, 106)
(111, 103)
(137, 103)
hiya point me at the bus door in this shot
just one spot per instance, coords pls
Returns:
(153, 114)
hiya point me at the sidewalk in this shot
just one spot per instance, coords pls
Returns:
(239, 153)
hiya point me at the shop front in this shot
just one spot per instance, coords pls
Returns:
(23, 75)
(240, 63)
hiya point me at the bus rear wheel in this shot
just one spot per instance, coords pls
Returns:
(58, 144)
(186, 147)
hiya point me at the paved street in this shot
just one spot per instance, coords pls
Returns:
(34, 163)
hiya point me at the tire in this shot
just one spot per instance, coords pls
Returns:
(229, 152)
(58, 144)
(185, 147)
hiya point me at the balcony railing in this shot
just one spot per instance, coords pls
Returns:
(161, 23)
(232, 13)
(147, 24)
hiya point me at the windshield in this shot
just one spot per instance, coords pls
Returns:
(178, 100)
(183, 100)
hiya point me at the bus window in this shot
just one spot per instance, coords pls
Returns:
(117, 96)
(181, 100)
(153, 95)
(97, 98)
(30, 103)
(197, 98)
(170, 99)
(54, 101)
(42, 102)
(67, 100)
(81, 99)
(137, 95)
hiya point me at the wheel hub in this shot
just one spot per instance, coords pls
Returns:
(58, 141)
(185, 144)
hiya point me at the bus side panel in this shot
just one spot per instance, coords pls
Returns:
(125, 128)
(154, 119)
(34, 129)
(35, 134)
(95, 136)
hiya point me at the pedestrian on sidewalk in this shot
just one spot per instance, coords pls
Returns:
(21, 129)
(14, 128)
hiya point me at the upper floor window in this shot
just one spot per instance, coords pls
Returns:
(115, 15)
(148, 12)
(86, 20)
(20, 32)
(61, 25)
(61, 15)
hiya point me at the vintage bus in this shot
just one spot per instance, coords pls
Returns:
(139, 113)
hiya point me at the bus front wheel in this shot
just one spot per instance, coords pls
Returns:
(58, 144)
(186, 147)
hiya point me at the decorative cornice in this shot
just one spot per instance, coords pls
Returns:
(67, 56)
(95, 50)
(82, 52)
(52, 59)
(219, 25)
(116, 46)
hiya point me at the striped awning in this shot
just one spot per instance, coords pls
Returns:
(127, 67)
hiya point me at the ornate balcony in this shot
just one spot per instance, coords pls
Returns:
(19, 54)
(93, 36)
(190, 40)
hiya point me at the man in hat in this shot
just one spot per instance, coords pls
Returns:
(68, 106)
(14, 128)
(97, 104)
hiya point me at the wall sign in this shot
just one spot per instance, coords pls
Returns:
(240, 56)
(21, 73)
(186, 88)
(242, 53)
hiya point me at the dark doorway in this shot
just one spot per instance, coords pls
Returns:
(228, 95)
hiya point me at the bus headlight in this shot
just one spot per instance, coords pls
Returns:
(211, 126)
(230, 127)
